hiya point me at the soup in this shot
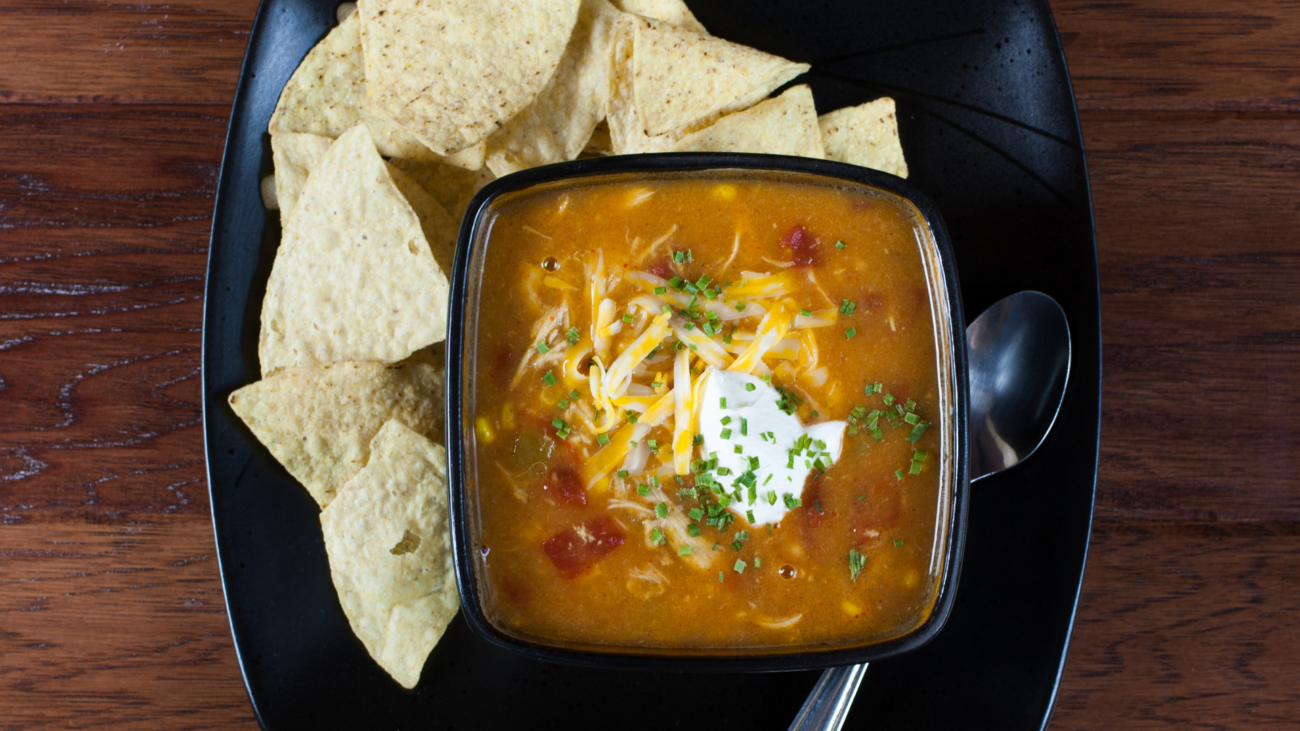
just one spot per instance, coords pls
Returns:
(705, 415)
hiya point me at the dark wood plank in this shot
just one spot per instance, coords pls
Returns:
(177, 52)
(1186, 625)
(117, 626)
(1238, 55)
(1199, 314)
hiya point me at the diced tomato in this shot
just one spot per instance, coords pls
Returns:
(802, 245)
(575, 550)
(564, 485)
(516, 592)
(662, 269)
(877, 513)
(502, 366)
(872, 301)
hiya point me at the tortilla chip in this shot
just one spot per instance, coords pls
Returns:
(451, 186)
(389, 544)
(599, 144)
(786, 125)
(865, 135)
(470, 158)
(439, 228)
(453, 71)
(674, 12)
(294, 155)
(318, 422)
(326, 93)
(557, 125)
(354, 278)
(681, 78)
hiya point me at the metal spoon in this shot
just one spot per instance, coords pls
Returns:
(1019, 353)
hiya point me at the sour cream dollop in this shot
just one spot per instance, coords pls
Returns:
(752, 421)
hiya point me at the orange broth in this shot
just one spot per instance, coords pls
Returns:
(575, 549)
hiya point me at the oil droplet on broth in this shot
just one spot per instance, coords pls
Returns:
(551, 264)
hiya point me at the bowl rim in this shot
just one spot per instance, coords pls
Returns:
(656, 659)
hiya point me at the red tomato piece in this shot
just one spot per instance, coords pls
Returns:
(802, 245)
(877, 513)
(575, 550)
(564, 485)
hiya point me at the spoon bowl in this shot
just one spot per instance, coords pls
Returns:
(1018, 366)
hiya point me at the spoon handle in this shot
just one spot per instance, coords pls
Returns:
(830, 700)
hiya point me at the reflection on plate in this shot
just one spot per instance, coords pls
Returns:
(988, 120)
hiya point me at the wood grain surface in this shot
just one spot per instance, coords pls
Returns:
(112, 120)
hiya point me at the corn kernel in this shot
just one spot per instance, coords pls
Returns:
(508, 417)
(850, 608)
(484, 429)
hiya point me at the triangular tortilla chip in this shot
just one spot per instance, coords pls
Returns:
(326, 94)
(681, 78)
(439, 228)
(294, 155)
(453, 71)
(669, 11)
(354, 278)
(453, 187)
(389, 544)
(557, 125)
(865, 135)
(318, 422)
(786, 125)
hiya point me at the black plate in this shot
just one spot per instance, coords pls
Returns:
(988, 121)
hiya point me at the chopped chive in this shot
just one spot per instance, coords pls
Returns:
(744, 427)
(738, 449)
(703, 281)
(898, 542)
(643, 490)
(722, 402)
(918, 431)
(915, 469)
(791, 502)
(562, 403)
(749, 515)
(558, 423)
(847, 307)
(818, 504)
(814, 414)
(684, 550)
(726, 420)
(542, 347)
(696, 514)
(726, 433)
(758, 562)
(740, 306)
(861, 498)
(740, 566)
(662, 511)
(840, 245)
(850, 332)
(898, 474)
(549, 378)
(679, 256)
(719, 573)
(857, 562)
(572, 336)
(888, 399)
(631, 417)
(697, 440)
(602, 439)
(656, 536)
(661, 290)
(806, 313)
(653, 444)
(627, 319)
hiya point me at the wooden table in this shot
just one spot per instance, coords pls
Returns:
(112, 120)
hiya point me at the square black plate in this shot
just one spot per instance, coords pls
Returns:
(987, 119)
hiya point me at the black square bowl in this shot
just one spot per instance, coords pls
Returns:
(467, 285)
